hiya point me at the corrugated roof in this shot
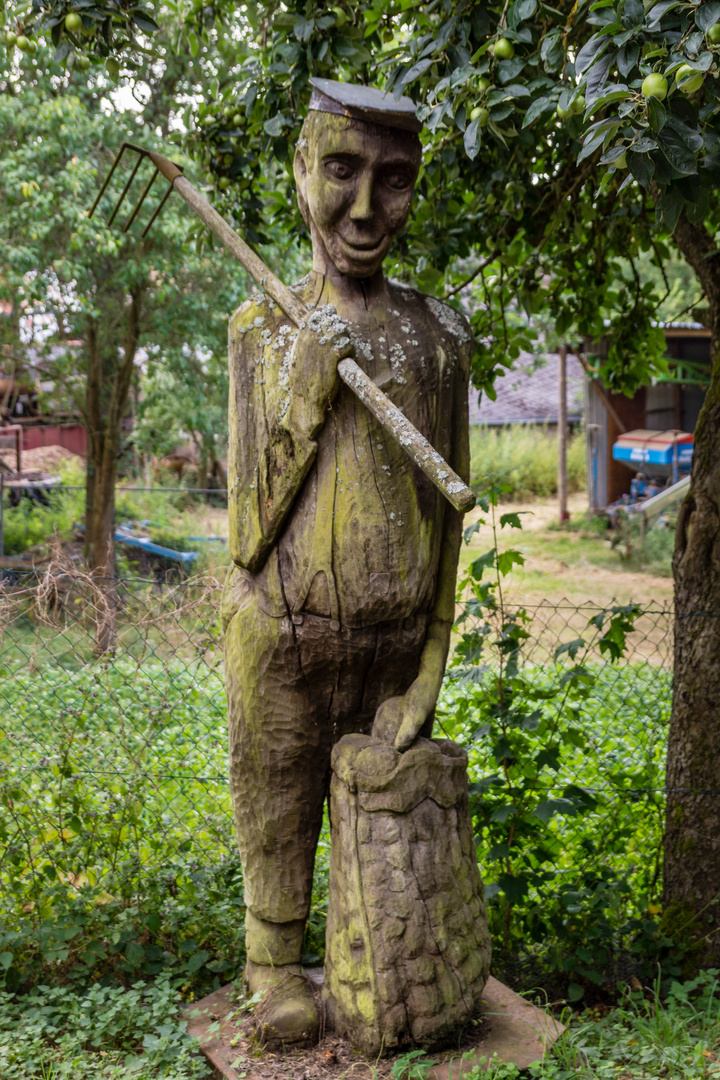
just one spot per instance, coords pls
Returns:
(528, 394)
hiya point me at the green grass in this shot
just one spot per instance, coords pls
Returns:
(561, 561)
(675, 1036)
(526, 458)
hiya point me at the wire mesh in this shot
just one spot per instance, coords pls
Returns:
(115, 748)
(113, 729)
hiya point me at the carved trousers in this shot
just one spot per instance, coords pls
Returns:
(294, 688)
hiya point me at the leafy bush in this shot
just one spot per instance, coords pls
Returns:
(32, 522)
(566, 783)
(115, 816)
(116, 821)
(650, 548)
(99, 1033)
(525, 459)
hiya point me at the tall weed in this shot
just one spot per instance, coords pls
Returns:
(525, 459)
(32, 522)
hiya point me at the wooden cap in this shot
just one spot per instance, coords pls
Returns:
(364, 103)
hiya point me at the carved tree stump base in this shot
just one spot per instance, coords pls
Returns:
(408, 949)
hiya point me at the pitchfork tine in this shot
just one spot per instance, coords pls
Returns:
(157, 210)
(125, 190)
(108, 178)
(140, 201)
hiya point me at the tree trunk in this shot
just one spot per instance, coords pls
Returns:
(692, 831)
(93, 412)
(108, 387)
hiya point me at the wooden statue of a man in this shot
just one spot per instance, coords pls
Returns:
(338, 612)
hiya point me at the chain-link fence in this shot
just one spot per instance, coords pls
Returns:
(113, 723)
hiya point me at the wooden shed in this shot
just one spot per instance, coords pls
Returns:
(674, 402)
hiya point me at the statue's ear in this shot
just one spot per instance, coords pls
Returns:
(300, 172)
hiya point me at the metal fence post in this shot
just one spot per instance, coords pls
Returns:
(2, 515)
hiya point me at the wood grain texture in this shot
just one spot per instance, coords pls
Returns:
(382, 408)
(407, 948)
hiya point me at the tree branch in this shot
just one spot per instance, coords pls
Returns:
(463, 284)
(699, 249)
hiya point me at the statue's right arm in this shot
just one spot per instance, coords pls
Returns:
(281, 384)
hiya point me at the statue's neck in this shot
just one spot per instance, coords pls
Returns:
(348, 294)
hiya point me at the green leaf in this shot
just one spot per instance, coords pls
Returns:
(196, 961)
(514, 90)
(594, 143)
(153, 922)
(627, 58)
(507, 70)
(62, 51)
(633, 13)
(470, 531)
(575, 992)
(6, 959)
(145, 22)
(656, 114)
(274, 126)
(512, 519)
(507, 559)
(525, 9)
(570, 647)
(479, 566)
(677, 151)
(515, 886)
(590, 51)
(597, 76)
(550, 807)
(537, 108)
(548, 758)
(706, 15)
(134, 953)
(472, 138)
(414, 73)
(656, 13)
(641, 166)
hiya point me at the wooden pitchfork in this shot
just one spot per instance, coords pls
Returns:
(415, 445)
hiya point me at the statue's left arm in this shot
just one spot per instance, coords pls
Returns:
(399, 719)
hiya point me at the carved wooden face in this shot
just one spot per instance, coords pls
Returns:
(357, 184)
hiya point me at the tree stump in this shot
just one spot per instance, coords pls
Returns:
(408, 948)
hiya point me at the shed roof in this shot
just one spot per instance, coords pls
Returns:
(528, 393)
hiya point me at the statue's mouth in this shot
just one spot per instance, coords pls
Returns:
(363, 249)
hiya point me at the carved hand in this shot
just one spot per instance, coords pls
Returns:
(312, 377)
(399, 719)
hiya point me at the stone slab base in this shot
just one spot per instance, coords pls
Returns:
(514, 1031)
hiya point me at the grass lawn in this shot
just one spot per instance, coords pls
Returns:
(578, 564)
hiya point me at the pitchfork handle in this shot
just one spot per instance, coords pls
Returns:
(412, 441)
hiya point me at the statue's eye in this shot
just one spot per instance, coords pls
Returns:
(339, 169)
(399, 181)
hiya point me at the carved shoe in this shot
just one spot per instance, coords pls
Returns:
(287, 1011)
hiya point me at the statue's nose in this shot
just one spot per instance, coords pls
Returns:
(361, 209)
